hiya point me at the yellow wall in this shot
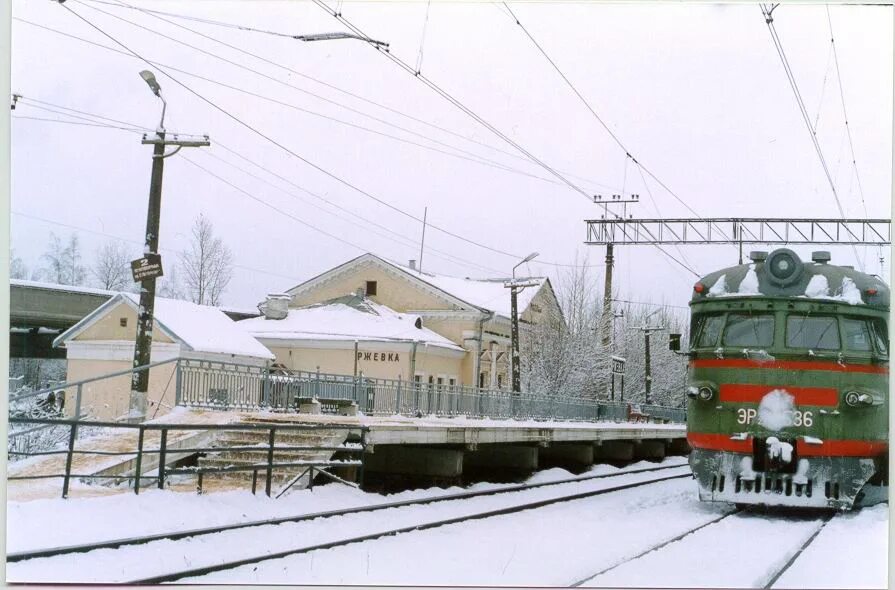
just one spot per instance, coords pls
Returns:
(108, 399)
(108, 327)
(399, 294)
(342, 362)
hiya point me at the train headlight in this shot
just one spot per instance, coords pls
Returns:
(705, 393)
(856, 399)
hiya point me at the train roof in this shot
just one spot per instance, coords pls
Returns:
(782, 274)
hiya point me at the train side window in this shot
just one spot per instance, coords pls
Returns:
(812, 332)
(856, 333)
(708, 329)
(749, 330)
(880, 335)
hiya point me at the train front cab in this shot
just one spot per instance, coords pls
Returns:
(788, 401)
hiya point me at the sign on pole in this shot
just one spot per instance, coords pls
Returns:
(618, 365)
(148, 267)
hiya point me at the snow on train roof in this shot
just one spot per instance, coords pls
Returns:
(813, 281)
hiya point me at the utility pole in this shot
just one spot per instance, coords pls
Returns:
(147, 269)
(514, 286)
(647, 368)
(423, 239)
(606, 318)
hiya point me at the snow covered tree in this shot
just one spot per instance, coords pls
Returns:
(208, 266)
(64, 261)
(17, 268)
(111, 267)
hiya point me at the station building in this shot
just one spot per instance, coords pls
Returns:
(386, 320)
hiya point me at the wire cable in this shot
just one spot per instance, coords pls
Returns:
(769, 20)
(454, 101)
(293, 153)
(121, 4)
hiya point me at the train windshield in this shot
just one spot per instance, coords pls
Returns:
(812, 332)
(708, 328)
(856, 333)
(880, 335)
(749, 330)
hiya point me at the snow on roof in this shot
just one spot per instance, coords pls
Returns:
(200, 327)
(346, 318)
(58, 287)
(489, 294)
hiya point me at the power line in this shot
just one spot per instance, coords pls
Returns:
(594, 112)
(291, 152)
(778, 45)
(470, 156)
(454, 101)
(100, 125)
(119, 4)
(437, 253)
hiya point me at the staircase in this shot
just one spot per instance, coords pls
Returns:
(318, 447)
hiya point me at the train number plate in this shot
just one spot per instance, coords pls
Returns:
(799, 418)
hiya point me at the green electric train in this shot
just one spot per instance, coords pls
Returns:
(788, 383)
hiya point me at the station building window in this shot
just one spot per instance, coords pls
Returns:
(371, 288)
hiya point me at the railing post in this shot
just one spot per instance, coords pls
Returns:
(317, 383)
(138, 471)
(73, 433)
(270, 443)
(254, 480)
(178, 384)
(199, 484)
(265, 386)
(78, 406)
(311, 478)
(163, 443)
(398, 396)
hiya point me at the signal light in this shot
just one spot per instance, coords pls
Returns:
(871, 291)
(705, 393)
(699, 287)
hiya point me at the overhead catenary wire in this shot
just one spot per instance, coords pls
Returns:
(454, 101)
(419, 57)
(287, 150)
(406, 241)
(467, 155)
(778, 45)
(121, 4)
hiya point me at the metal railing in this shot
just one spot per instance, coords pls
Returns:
(211, 384)
(164, 451)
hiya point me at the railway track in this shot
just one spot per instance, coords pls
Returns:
(42, 555)
(647, 559)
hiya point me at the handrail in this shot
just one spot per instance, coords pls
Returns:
(68, 384)
(147, 426)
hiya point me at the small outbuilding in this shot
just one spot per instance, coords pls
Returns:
(103, 342)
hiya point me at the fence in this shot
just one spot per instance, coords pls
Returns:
(163, 449)
(230, 385)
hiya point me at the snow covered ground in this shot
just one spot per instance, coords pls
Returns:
(555, 545)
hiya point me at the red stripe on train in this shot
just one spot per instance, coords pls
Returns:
(751, 393)
(842, 448)
(828, 448)
(786, 365)
(718, 442)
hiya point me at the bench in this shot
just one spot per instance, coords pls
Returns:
(635, 414)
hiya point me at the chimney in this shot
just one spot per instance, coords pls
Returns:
(412, 264)
(276, 307)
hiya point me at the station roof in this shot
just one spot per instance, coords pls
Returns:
(199, 328)
(346, 318)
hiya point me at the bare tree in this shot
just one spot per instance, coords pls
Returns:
(64, 261)
(111, 268)
(17, 268)
(208, 266)
(170, 286)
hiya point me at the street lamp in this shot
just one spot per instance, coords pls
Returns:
(340, 35)
(514, 320)
(149, 267)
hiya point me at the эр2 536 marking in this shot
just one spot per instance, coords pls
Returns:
(788, 383)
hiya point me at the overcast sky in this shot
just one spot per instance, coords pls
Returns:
(696, 93)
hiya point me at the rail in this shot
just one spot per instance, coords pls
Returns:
(211, 384)
(164, 451)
